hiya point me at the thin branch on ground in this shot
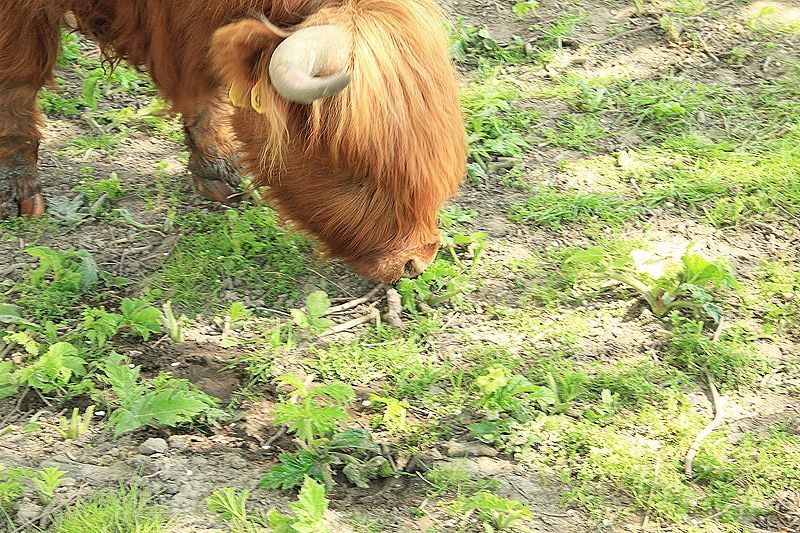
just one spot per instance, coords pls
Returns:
(278, 434)
(395, 309)
(719, 414)
(371, 316)
(367, 298)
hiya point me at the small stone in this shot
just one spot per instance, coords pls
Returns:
(180, 442)
(152, 446)
(28, 510)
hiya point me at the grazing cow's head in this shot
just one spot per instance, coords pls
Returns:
(353, 124)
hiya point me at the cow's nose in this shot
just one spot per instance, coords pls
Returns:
(414, 267)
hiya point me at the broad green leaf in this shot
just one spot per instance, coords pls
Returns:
(316, 304)
(87, 269)
(121, 377)
(291, 471)
(310, 507)
(12, 314)
(140, 317)
(280, 523)
(53, 370)
(336, 390)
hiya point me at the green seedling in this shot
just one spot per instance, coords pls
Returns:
(508, 399)
(231, 506)
(311, 318)
(163, 401)
(523, 9)
(441, 282)
(74, 427)
(498, 514)
(174, 325)
(46, 482)
(475, 244)
(11, 486)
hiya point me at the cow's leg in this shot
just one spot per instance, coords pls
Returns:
(213, 160)
(29, 43)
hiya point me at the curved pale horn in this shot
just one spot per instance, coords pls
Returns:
(312, 63)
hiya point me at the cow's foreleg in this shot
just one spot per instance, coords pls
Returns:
(29, 42)
(213, 161)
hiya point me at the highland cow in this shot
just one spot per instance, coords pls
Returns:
(344, 111)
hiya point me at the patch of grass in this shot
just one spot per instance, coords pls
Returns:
(560, 28)
(580, 132)
(744, 478)
(372, 359)
(496, 126)
(731, 361)
(456, 480)
(79, 146)
(638, 381)
(472, 44)
(131, 510)
(248, 245)
(776, 293)
(554, 208)
(53, 290)
(773, 19)
(55, 105)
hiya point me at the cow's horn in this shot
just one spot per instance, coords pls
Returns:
(312, 63)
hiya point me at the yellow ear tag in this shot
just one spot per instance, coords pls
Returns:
(236, 95)
(256, 101)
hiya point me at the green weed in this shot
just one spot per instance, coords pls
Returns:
(248, 245)
(127, 509)
(316, 416)
(163, 401)
(555, 208)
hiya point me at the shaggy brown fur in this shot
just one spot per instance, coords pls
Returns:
(365, 171)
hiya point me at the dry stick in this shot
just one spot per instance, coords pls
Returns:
(340, 328)
(392, 316)
(719, 414)
(367, 298)
(278, 434)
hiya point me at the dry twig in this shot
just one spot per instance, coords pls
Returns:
(393, 314)
(367, 298)
(372, 315)
(719, 415)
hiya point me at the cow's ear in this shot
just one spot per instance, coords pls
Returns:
(241, 52)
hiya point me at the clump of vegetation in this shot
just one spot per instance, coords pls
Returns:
(554, 208)
(244, 245)
(162, 401)
(316, 416)
(129, 509)
(308, 512)
(664, 288)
